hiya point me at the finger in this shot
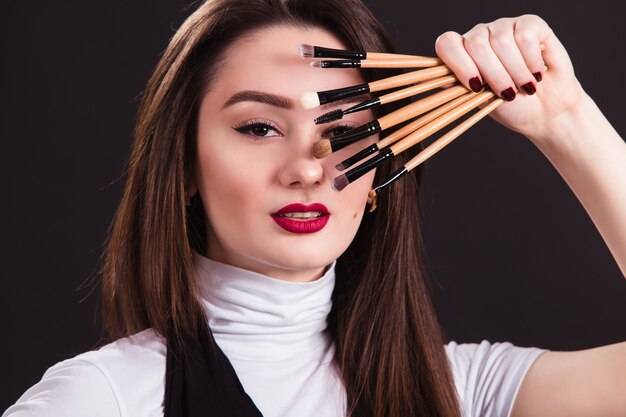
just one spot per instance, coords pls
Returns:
(449, 47)
(504, 45)
(477, 44)
(554, 55)
(530, 33)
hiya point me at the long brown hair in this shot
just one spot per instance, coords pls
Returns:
(389, 344)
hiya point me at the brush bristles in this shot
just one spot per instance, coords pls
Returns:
(322, 148)
(340, 166)
(317, 64)
(331, 116)
(340, 182)
(309, 100)
(306, 51)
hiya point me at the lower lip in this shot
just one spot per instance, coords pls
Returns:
(302, 226)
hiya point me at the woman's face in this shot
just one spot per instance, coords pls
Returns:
(255, 158)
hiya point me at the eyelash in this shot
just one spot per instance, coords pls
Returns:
(246, 128)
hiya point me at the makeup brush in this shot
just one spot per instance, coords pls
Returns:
(421, 62)
(402, 132)
(341, 181)
(312, 51)
(325, 147)
(433, 148)
(310, 100)
(387, 98)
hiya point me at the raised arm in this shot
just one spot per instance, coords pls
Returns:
(522, 60)
(556, 114)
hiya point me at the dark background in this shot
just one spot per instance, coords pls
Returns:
(513, 255)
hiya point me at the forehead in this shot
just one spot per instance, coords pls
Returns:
(269, 60)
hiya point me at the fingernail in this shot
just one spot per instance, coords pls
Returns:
(529, 88)
(508, 94)
(538, 76)
(475, 84)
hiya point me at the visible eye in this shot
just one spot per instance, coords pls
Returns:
(258, 128)
(338, 130)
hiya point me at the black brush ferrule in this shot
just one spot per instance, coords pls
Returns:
(321, 52)
(339, 93)
(391, 179)
(351, 136)
(341, 63)
(363, 106)
(347, 163)
(358, 171)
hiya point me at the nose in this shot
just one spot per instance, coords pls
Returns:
(301, 169)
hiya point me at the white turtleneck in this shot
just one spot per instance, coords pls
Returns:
(273, 333)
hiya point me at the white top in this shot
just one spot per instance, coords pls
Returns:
(272, 331)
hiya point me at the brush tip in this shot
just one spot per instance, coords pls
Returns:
(340, 166)
(331, 116)
(317, 64)
(306, 51)
(322, 148)
(340, 182)
(309, 100)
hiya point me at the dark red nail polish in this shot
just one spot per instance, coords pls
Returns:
(475, 84)
(538, 76)
(508, 94)
(529, 88)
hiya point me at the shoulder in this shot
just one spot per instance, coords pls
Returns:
(128, 357)
(123, 378)
(488, 375)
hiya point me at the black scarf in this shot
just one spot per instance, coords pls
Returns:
(202, 382)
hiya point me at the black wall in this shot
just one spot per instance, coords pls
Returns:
(512, 253)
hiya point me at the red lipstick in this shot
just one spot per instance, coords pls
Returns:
(288, 218)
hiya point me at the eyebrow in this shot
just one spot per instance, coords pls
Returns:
(259, 97)
(283, 102)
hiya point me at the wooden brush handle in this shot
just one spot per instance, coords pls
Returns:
(420, 106)
(384, 55)
(430, 116)
(417, 89)
(454, 133)
(422, 62)
(409, 78)
(440, 122)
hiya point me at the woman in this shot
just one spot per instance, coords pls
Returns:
(214, 223)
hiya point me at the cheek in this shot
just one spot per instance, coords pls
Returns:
(357, 191)
(354, 199)
(231, 187)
